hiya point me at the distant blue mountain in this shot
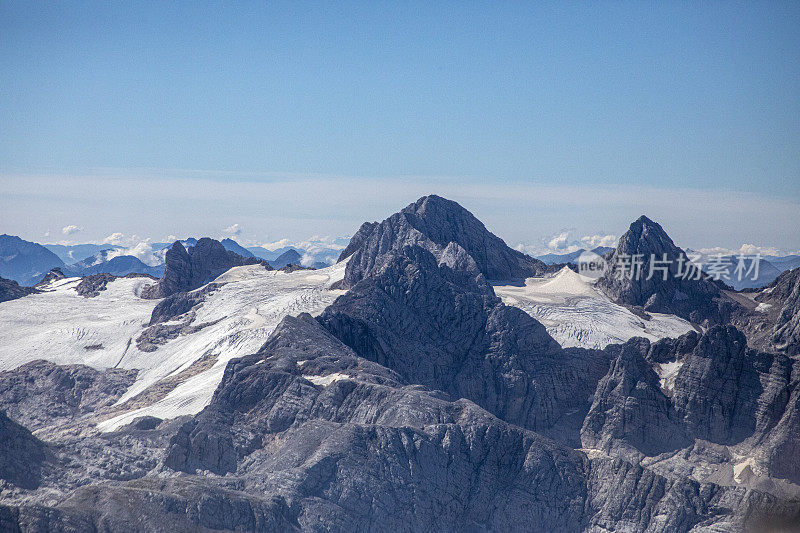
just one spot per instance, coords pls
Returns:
(25, 262)
(290, 256)
(234, 246)
(269, 255)
(121, 265)
(554, 259)
(72, 253)
(784, 263)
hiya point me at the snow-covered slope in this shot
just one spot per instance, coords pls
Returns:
(180, 376)
(576, 314)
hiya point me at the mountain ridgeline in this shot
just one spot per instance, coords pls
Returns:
(419, 401)
(188, 270)
(441, 227)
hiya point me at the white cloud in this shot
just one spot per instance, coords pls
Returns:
(744, 249)
(272, 246)
(307, 260)
(71, 229)
(565, 242)
(558, 242)
(593, 241)
(135, 246)
(117, 239)
(292, 205)
(233, 230)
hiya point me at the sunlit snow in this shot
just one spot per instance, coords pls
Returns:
(66, 328)
(577, 314)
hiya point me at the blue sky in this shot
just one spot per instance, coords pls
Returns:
(692, 98)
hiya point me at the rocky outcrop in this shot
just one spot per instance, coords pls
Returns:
(631, 416)
(784, 295)
(11, 290)
(43, 393)
(21, 454)
(643, 250)
(188, 270)
(721, 393)
(179, 303)
(55, 274)
(440, 325)
(349, 444)
(92, 286)
(433, 223)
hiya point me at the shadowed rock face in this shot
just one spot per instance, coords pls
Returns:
(724, 393)
(444, 328)
(432, 223)
(41, 392)
(10, 290)
(187, 270)
(697, 300)
(630, 413)
(784, 297)
(348, 444)
(21, 454)
(55, 274)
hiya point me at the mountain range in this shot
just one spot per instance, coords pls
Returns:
(417, 384)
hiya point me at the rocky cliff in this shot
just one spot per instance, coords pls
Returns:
(187, 270)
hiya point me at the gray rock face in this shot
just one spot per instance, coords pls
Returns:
(40, 393)
(724, 393)
(368, 451)
(630, 415)
(10, 290)
(21, 454)
(179, 303)
(55, 274)
(445, 329)
(785, 295)
(91, 286)
(432, 223)
(718, 387)
(188, 270)
(697, 300)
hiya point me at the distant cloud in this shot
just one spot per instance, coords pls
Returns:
(71, 229)
(565, 242)
(558, 242)
(117, 239)
(593, 241)
(233, 230)
(745, 249)
(518, 212)
(317, 249)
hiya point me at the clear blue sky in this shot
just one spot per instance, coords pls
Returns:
(677, 95)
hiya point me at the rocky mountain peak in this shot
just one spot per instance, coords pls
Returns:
(433, 222)
(648, 270)
(186, 270)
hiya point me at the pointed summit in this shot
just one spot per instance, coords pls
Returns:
(434, 222)
(648, 270)
(188, 270)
